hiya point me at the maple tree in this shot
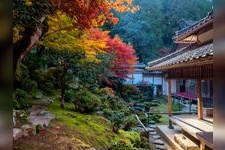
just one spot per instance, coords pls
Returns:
(94, 12)
(31, 19)
(62, 35)
(123, 54)
(124, 59)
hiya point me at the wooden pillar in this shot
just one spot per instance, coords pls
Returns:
(202, 146)
(199, 98)
(170, 103)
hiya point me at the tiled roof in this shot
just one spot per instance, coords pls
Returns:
(200, 23)
(181, 56)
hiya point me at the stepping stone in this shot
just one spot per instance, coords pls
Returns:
(151, 122)
(158, 142)
(156, 137)
(17, 133)
(153, 133)
(150, 129)
(160, 147)
(152, 126)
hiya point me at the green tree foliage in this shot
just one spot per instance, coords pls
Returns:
(152, 27)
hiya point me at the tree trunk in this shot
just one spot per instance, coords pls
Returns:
(62, 105)
(29, 40)
(63, 88)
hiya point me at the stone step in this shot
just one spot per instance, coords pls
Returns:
(150, 129)
(152, 126)
(151, 122)
(160, 147)
(156, 137)
(185, 143)
(158, 142)
(153, 133)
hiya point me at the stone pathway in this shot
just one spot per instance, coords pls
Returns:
(155, 138)
(38, 117)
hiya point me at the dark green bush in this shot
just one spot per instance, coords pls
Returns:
(85, 101)
(155, 117)
(129, 92)
(117, 118)
(47, 87)
(147, 105)
(69, 96)
(29, 85)
(107, 112)
(130, 122)
(114, 102)
(20, 99)
(144, 143)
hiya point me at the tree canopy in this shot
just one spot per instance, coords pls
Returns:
(153, 26)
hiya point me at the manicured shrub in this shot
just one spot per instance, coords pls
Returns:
(85, 101)
(155, 117)
(130, 122)
(107, 112)
(129, 92)
(114, 102)
(69, 95)
(147, 105)
(117, 118)
(20, 99)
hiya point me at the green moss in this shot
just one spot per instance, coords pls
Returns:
(90, 129)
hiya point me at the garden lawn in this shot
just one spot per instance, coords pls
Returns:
(163, 107)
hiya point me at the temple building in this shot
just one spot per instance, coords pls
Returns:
(141, 77)
(189, 68)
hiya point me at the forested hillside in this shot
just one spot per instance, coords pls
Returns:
(150, 29)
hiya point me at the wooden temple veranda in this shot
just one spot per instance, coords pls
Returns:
(192, 61)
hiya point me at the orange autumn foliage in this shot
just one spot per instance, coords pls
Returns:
(124, 54)
(87, 13)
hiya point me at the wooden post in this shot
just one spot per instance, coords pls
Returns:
(170, 103)
(202, 146)
(199, 98)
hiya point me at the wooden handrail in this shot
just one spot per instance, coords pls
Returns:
(174, 113)
(139, 121)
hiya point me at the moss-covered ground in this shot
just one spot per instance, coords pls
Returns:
(73, 130)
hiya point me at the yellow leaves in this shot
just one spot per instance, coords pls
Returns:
(99, 21)
(60, 21)
(28, 2)
(17, 29)
(124, 6)
(62, 35)
(93, 47)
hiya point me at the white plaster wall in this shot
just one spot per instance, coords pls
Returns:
(173, 86)
(165, 87)
(157, 80)
(137, 78)
(129, 80)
